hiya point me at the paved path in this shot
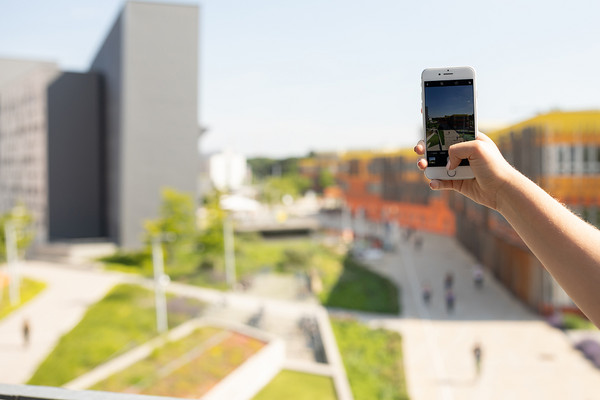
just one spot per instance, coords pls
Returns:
(523, 357)
(55, 311)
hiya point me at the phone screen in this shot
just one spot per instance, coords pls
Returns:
(449, 117)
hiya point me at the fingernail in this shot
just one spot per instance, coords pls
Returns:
(434, 185)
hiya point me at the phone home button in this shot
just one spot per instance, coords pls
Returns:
(451, 173)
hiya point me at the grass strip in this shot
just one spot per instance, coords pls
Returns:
(291, 385)
(28, 290)
(373, 360)
(358, 288)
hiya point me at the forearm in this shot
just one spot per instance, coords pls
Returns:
(568, 247)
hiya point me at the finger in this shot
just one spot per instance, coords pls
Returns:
(420, 148)
(460, 151)
(437, 184)
(422, 164)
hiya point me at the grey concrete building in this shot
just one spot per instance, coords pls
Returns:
(149, 66)
(88, 153)
(23, 127)
(76, 184)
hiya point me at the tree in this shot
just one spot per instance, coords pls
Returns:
(176, 222)
(275, 188)
(22, 221)
(263, 168)
(326, 178)
(210, 238)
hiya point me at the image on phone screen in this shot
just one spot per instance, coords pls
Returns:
(449, 117)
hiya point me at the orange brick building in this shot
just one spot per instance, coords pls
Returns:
(387, 187)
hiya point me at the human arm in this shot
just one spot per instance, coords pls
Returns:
(568, 247)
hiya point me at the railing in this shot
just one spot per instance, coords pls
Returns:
(28, 392)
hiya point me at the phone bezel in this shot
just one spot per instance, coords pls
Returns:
(438, 74)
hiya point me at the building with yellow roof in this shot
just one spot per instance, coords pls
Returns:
(560, 151)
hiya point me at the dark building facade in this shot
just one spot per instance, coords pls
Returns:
(76, 184)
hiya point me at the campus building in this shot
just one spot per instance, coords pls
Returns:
(386, 187)
(148, 68)
(89, 152)
(23, 130)
(560, 152)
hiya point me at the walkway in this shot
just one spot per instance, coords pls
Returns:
(55, 311)
(523, 357)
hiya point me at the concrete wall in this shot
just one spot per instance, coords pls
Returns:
(76, 206)
(150, 65)
(160, 125)
(108, 63)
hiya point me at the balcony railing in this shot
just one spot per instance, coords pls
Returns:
(28, 392)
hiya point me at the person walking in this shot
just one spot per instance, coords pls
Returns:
(477, 356)
(478, 276)
(448, 281)
(427, 294)
(418, 242)
(450, 299)
(26, 330)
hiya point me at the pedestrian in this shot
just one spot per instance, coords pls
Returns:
(427, 293)
(26, 332)
(418, 242)
(449, 280)
(450, 299)
(478, 276)
(477, 356)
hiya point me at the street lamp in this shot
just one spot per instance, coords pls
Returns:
(12, 259)
(229, 249)
(161, 280)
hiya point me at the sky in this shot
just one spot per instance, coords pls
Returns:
(281, 78)
(449, 100)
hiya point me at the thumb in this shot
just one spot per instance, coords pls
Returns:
(460, 151)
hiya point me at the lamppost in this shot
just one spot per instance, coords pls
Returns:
(161, 280)
(229, 249)
(12, 260)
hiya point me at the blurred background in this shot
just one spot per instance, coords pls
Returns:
(219, 199)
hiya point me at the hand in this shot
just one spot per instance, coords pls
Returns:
(491, 170)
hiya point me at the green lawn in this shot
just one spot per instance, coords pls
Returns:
(290, 385)
(373, 360)
(124, 319)
(29, 289)
(357, 288)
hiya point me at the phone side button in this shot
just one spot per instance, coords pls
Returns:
(451, 173)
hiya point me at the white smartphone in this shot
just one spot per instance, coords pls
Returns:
(449, 116)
